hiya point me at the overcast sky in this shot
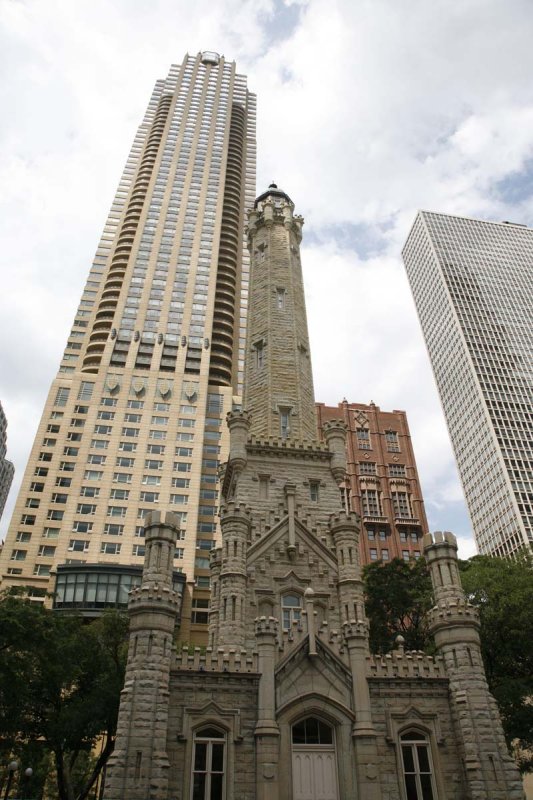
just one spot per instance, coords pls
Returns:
(367, 111)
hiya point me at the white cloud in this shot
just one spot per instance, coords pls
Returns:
(368, 110)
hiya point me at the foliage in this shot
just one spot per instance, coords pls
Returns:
(398, 596)
(60, 682)
(502, 589)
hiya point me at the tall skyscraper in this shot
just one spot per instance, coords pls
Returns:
(7, 470)
(134, 417)
(382, 484)
(472, 283)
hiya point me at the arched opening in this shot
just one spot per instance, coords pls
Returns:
(209, 764)
(291, 610)
(314, 761)
(418, 773)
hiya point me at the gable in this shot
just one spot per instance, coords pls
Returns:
(304, 540)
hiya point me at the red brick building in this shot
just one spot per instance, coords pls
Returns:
(383, 485)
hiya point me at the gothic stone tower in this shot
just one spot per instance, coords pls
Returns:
(286, 702)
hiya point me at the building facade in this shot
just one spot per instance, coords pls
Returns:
(7, 469)
(472, 283)
(133, 420)
(287, 702)
(382, 484)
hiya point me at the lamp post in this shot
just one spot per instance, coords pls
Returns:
(28, 772)
(11, 769)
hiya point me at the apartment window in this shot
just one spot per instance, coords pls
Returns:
(32, 502)
(45, 456)
(119, 494)
(128, 447)
(116, 511)
(92, 474)
(155, 449)
(86, 391)
(200, 610)
(121, 477)
(86, 508)
(291, 610)
(132, 417)
(41, 569)
(373, 554)
(367, 468)
(405, 555)
(400, 503)
(82, 527)
(70, 451)
(112, 529)
(179, 499)
(40, 472)
(46, 551)
(397, 470)
(152, 463)
(27, 519)
(157, 420)
(110, 548)
(417, 769)
(149, 497)
(94, 458)
(62, 396)
(77, 423)
(138, 550)
(89, 491)
(370, 503)
(102, 430)
(64, 482)
(135, 404)
(23, 536)
(393, 445)
(384, 554)
(18, 555)
(78, 546)
(48, 442)
(363, 439)
(151, 480)
(157, 434)
(108, 401)
(52, 429)
(123, 461)
(81, 409)
(103, 415)
(51, 533)
(202, 582)
(209, 764)
(132, 432)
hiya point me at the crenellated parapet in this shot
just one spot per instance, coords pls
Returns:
(405, 664)
(335, 432)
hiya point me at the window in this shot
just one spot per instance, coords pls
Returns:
(53, 514)
(291, 610)
(138, 550)
(110, 548)
(116, 511)
(397, 470)
(373, 554)
(151, 480)
(41, 569)
(416, 761)
(86, 391)
(132, 417)
(135, 403)
(86, 508)
(157, 420)
(119, 494)
(367, 468)
(280, 298)
(102, 430)
(393, 445)
(92, 475)
(400, 503)
(313, 491)
(370, 503)
(384, 554)
(156, 449)
(123, 461)
(51, 533)
(208, 764)
(312, 731)
(82, 409)
(363, 439)
(128, 447)
(112, 529)
(27, 519)
(96, 459)
(133, 432)
(46, 551)
(82, 527)
(22, 536)
(149, 497)
(200, 610)
(62, 396)
(122, 477)
(89, 491)
(78, 546)
(59, 498)
(259, 350)
(32, 502)
(18, 555)
(405, 555)
(65, 482)
(284, 422)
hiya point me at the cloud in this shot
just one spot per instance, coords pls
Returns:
(368, 110)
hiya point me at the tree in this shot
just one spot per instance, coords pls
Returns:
(398, 597)
(60, 682)
(502, 589)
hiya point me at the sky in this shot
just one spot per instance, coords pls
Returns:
(367, 111)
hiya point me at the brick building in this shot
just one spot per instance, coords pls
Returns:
(382, 484)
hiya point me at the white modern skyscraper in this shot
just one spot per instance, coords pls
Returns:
(133, 420)
(472, 283)
(7, 470)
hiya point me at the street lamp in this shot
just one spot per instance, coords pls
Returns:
(12, 767)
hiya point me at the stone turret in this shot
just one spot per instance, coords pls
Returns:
(490, 772)
(278, 386)
(138, 768)
(235, 524)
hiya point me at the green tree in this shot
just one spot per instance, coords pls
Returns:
(502, 589)
(398, 597)
(60, 682)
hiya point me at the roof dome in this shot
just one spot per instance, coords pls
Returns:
(273, 191)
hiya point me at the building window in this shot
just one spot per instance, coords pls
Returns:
(370, 503)
(200, 610)
(367, 468)
(400, 503)
(208, 762)
(280, 298)
(384, 554)
(397, 470)
(62, 396)
(86, 391)
(284, 422)
(373, 554)
(416, 762)
(259, 350)
(393, 445)
(363, 439)
(314, 491)
(291, 610)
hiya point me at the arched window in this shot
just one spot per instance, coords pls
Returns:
(314, 760)
(209, 764)
(312, 731)
(417, 769)
(291, 610)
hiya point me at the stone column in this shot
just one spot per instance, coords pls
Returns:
(335, 436)
(491, 774)
(266, 730)
(138, 767)
(345, 531)
(235, 524)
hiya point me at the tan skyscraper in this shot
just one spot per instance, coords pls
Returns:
(133, 420)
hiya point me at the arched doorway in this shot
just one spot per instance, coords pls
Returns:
(314, 760)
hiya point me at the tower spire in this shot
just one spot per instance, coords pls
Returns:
(278, 376)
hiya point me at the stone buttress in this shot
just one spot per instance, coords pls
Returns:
(138, 767)
(491, 774)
